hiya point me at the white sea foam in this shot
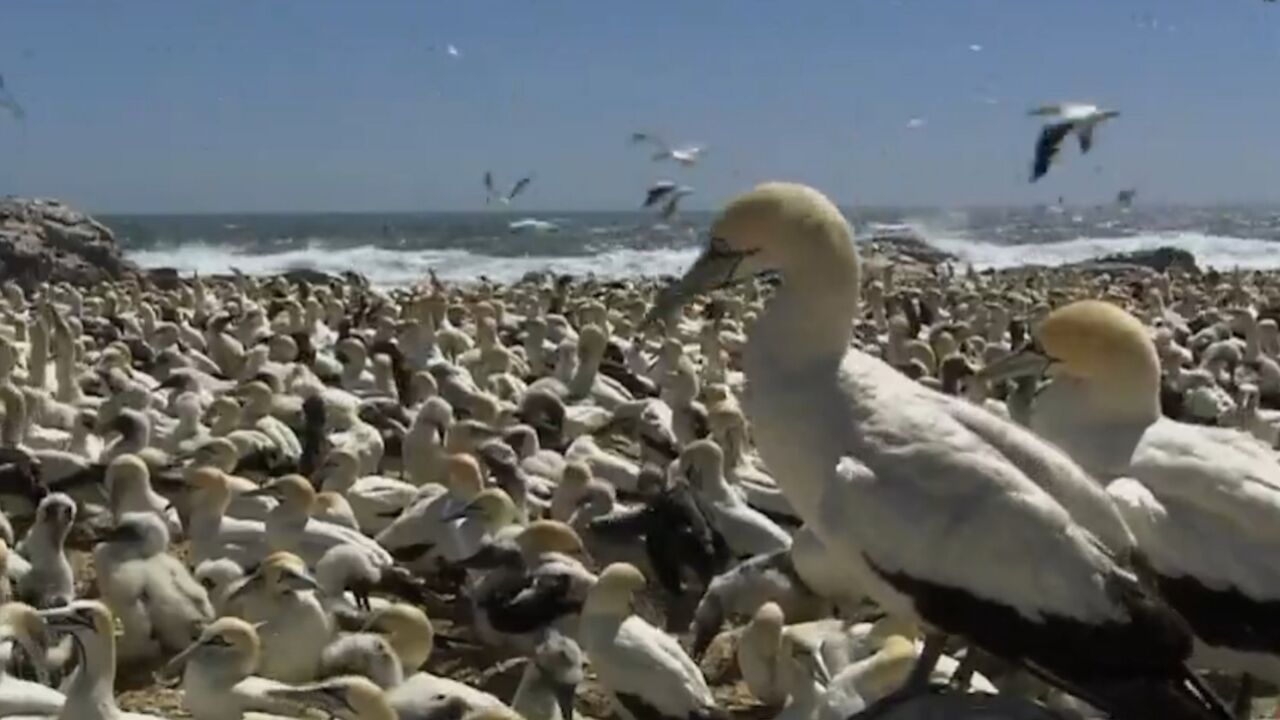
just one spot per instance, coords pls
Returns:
(1210, 250)
(386, 266)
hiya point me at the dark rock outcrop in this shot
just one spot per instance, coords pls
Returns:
(46, 241)
(1160, 259)
(907, 247)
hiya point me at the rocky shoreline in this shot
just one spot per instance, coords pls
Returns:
(45, 240)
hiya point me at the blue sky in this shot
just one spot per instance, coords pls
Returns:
(223, 105)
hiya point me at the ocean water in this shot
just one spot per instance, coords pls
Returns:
(394, 249)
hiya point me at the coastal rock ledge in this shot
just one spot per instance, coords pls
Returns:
(44, 240)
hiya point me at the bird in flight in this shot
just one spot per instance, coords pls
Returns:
(1068, 118)
(686, 155)
(8, 102)
(493, 194)
(667, 194)
(1124, 198)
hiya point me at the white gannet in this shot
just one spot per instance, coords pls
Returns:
(906, 486)
(217, 674)
(532, 225)
(160, 606)
(548, 591)
(9, 103)
(50, 580)
(646, 672)
(22, 627)
(1071, 117)
(128, 481)
(290, 527)
(219, 577)
(409, 632)
(294, 627)
(375, 500)
(90, 690)
(433, 526)
(744, 588)
(668, 194)
(550, 680)
(349, 697)
(492, 194)
(686, 155)
(746, 531)
(1203, 502)
(366, 654)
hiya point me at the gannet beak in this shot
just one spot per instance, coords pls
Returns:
(174, 667)
(62, 618)
(301, 581)
(266, 491)
(813, 663)
(565, 693)
(1028, 362)
(716, 267)
(328, 700)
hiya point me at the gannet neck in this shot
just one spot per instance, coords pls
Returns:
(14, 427)
(1068, 413)
(805, 327)
(93, 681)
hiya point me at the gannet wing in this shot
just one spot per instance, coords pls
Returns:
(1047, 146)
(488, 186)
(519, 187)
(8, 102)
(657, 192)
(670, 208)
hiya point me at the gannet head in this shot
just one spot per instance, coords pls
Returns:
(351, 353)
(23, 624)
(82, 619)
(127, 476)
(764, 631)
(493, 507)
(549, 536)
(805, 657)
(423, 385)
(210, 489)
(591, 343)
(57, 512)
(218, 453)
(409, 631)
(560, 661)
(225, 410)
(348, 697)
(341, 466)
(1104, 352)
(228, 644)
(256, 394)
(279, 573)
(144, 533)
(878, 675)
(614, 590)
(463, 476)
(293, 491)
(218, 577)
(702, 462)
(576, 475)
(785, 227)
